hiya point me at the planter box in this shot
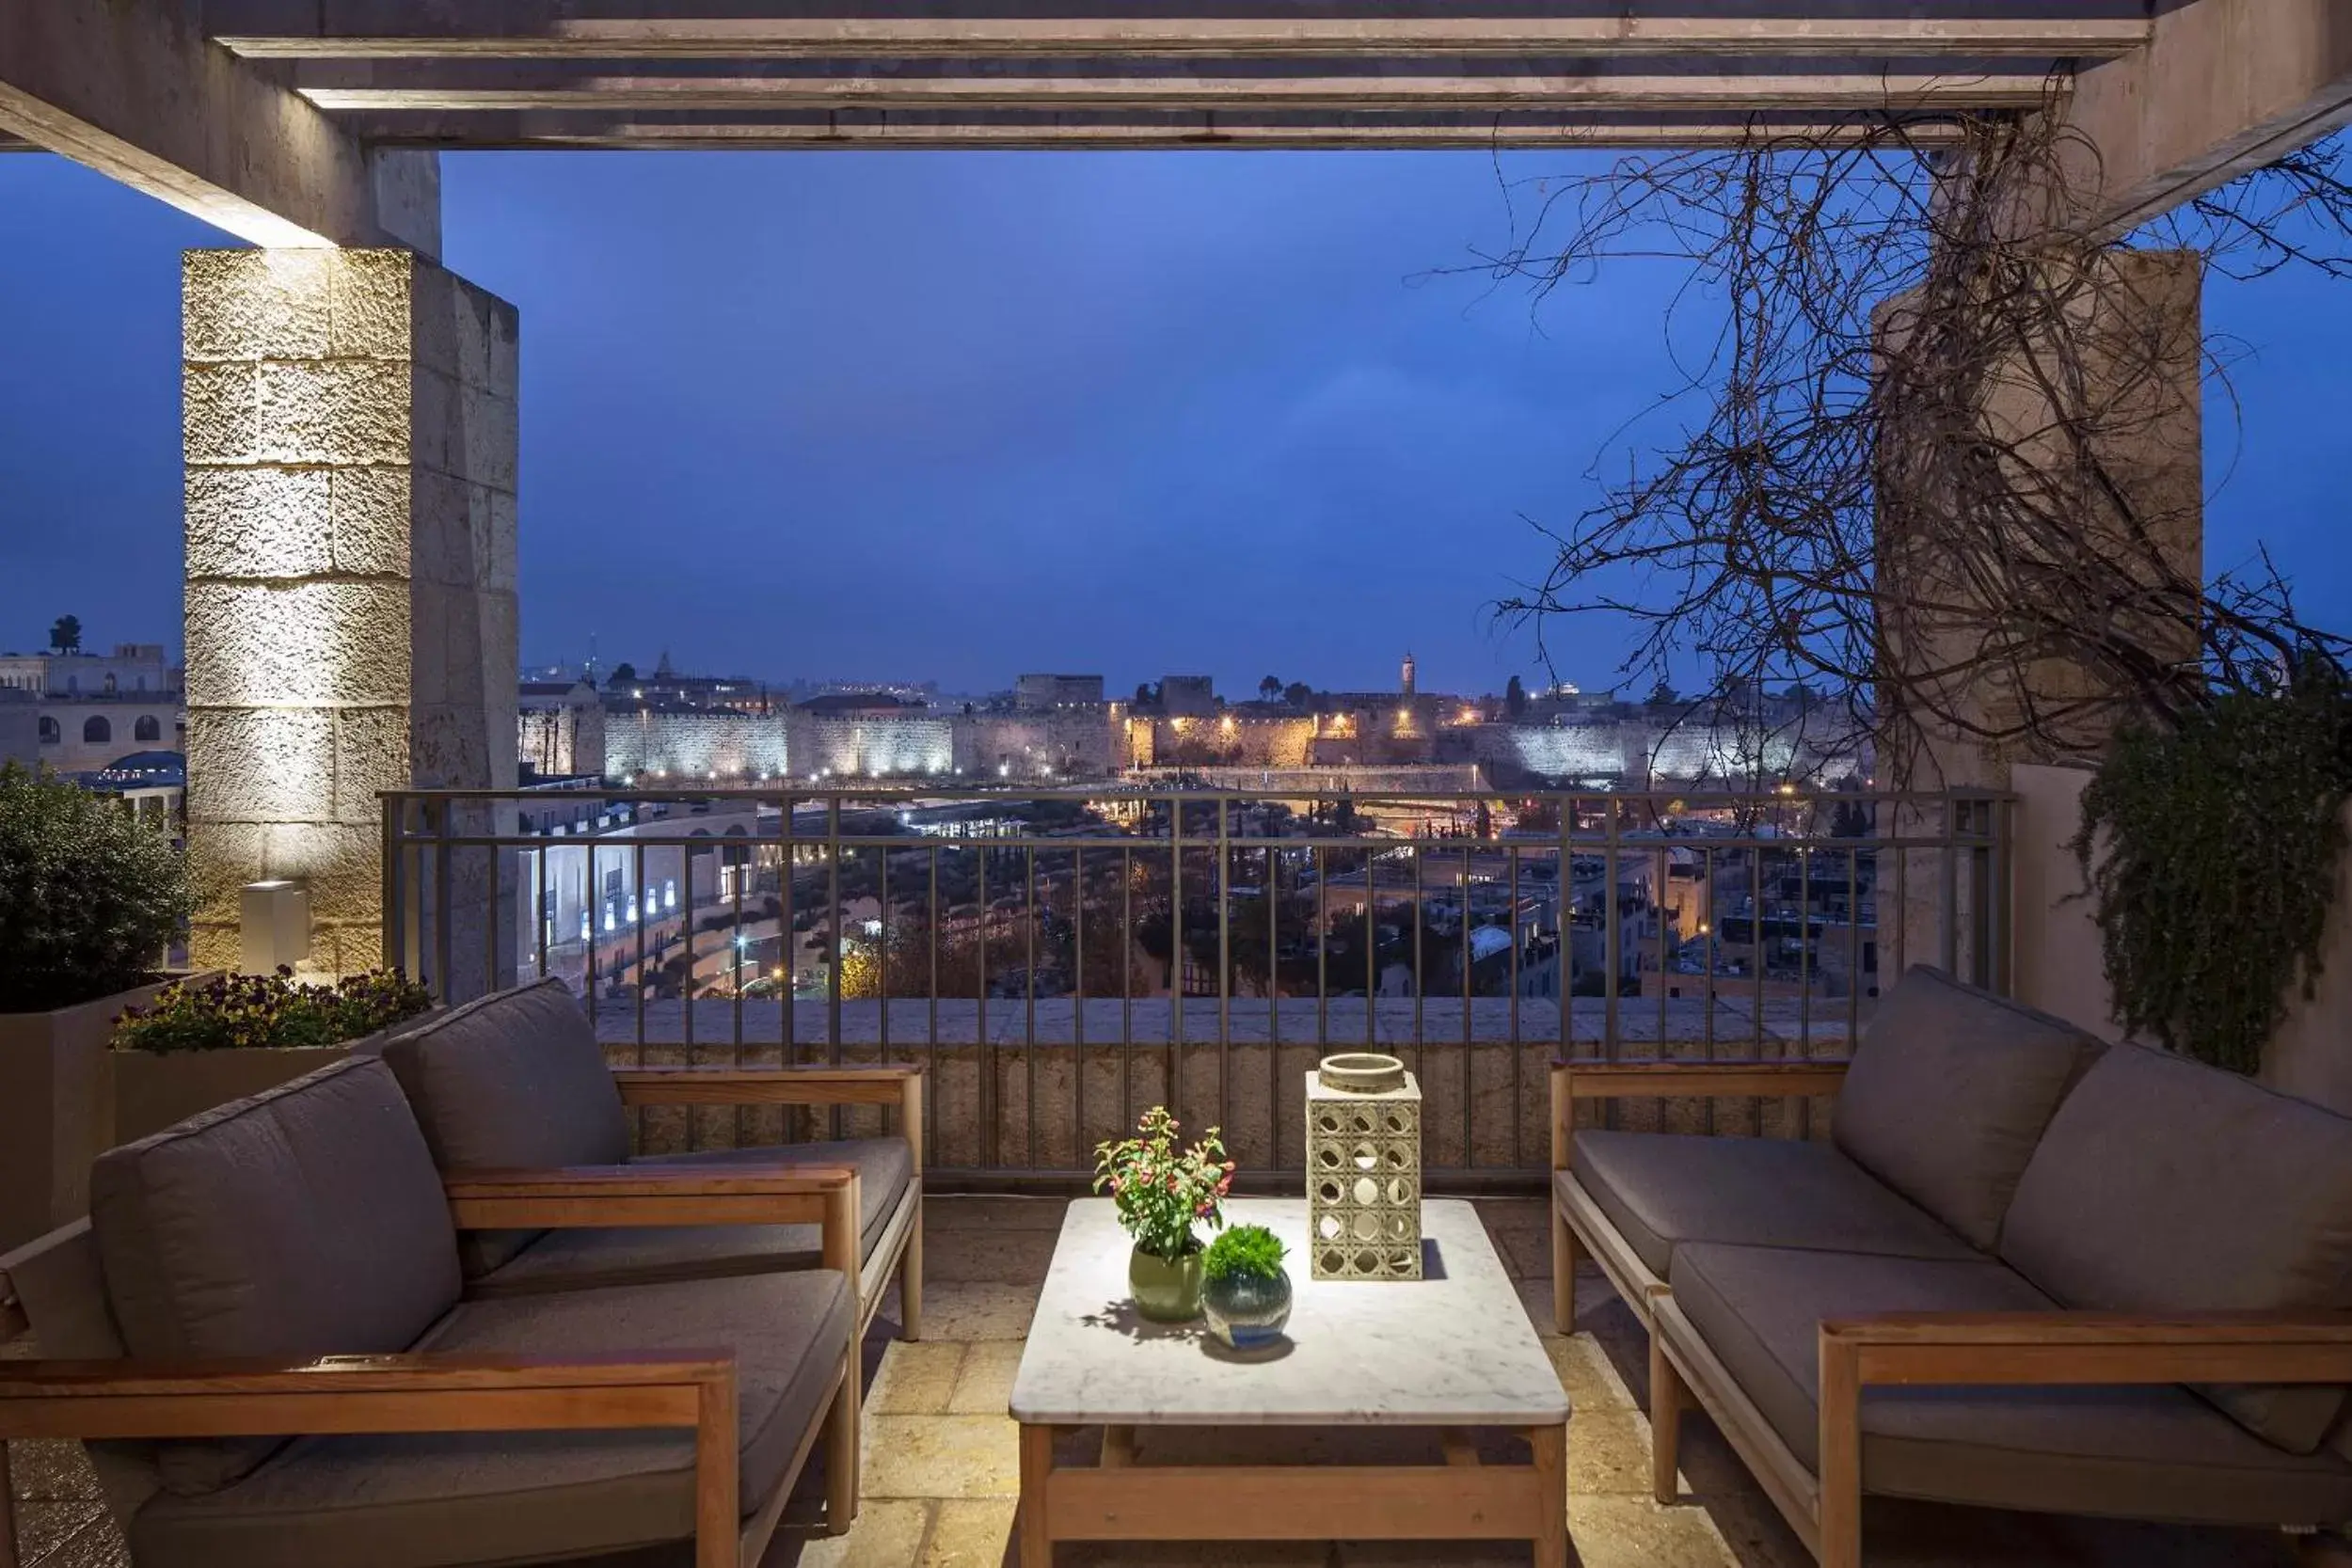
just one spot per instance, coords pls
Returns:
(153, 1089)
(57, 1110)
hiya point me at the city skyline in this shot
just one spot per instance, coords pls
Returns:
(961, 416)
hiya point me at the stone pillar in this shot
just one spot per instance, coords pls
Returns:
(350, 429)
(2136, 496)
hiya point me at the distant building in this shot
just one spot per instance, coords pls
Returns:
(133, 667)
(20, 728)
(1187, 696)
(1405, 677)
(1044, 693)
(560, 729)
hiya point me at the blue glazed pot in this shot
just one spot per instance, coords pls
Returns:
(1247, 1311)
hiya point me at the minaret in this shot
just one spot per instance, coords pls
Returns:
(1407, 675)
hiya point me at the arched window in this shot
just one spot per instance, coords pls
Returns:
(96, 731)
(110, 682)
(49, 733)
(147, 728)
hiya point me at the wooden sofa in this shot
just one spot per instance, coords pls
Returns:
(261, 1334)
(2027, 1270)
(518, 1078)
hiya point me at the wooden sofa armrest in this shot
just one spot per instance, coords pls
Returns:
(426, 1393)
(1575, 1081)
(646, 1194)
(899, 1084)
(1960, 1348)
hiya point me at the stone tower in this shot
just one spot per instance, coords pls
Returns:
(1406, 676)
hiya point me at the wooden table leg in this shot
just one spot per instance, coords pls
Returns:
(1037, 1464)
(1551, 1486)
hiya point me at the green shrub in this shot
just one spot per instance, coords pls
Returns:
(270, 1011)
(1244, 1252)
(89, 895)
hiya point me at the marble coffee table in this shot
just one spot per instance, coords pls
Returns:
(1453, 1352)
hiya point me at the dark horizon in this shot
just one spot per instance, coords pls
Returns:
(961, 416)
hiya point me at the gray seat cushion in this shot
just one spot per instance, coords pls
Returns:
(434, 1501)
(2141, 1454)
(574, 1260)
(307, 1221)
(1662, 1189)
(1948, 1093)
(516, 1078)
(2163, 1185)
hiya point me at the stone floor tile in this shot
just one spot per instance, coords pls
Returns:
(973, 1309)
(43, 1527)
(96, 1544)
(889, 1533)
(1586, 1373)
(942, 1456)
(50, 1469)
(915, 1379)
(1634, 1532)
(991, 1212)
(971, 1532)
(984, 1386)
(1009, 1257)
(1608, 1452)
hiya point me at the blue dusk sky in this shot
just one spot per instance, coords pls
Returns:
(956, 416)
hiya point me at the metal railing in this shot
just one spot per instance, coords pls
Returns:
(1061, 959)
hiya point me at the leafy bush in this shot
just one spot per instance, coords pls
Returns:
(1244, 1252)
(89, 895)
(270, 1011)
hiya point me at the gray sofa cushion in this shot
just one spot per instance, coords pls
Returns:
(2140, 1453)
(2163, 1185)
(307, 1221)
(1662, 1189)
(516, 1078)
(433, 1501)
(576, 1259)
(1949, 1090)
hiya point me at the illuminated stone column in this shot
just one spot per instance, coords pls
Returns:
(350, 429)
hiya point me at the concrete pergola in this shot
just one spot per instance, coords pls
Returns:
(350, 419)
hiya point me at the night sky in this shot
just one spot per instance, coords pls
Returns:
(956, 416)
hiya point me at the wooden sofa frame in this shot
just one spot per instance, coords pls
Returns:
(429, 1392)
(1918, 1349)
(900, 1249)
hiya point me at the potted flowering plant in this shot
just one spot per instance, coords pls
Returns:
(1162, 1192)
(205, 1042)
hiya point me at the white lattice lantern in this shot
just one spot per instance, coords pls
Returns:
(1363, 1168)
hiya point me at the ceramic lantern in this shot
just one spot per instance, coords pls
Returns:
(1363, 1168)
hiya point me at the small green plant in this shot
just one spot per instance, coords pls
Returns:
(1244, 1252)
(89, 895)
(271, 1012)
(1162, 1191)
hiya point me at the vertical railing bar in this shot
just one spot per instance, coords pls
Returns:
(1421, 975)
(393, 936)
(590, 901)
(1518, 1071)
(1710, 928)
(1078, 1001)
(1853, 941)
(1127, 988)
(1612, 938)
(1661, 888)
(495, 851)
(1176, 949)
(1755, 935)
(788, 943)
(1323, 958)
(1469, 1148)
(1028, 1040)
(1274, 1005)
(936, 935)
(685, 938)
(638, 866)
(1902, 899)
(547, 916)
(984, 1048)
(1224, 962)
(881, 948)
(734, 964)
(1564, 880)
(441, 936)
(1948, 855)
(1372, 949)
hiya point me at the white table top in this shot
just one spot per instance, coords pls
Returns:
(1454, 1349)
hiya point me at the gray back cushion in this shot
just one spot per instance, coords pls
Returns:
(1948, 1093)
(2164, 1186)
(307, 1221)
(513, 1080)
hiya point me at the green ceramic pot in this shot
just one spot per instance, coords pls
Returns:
(1167, 1290)
(1247, 1311)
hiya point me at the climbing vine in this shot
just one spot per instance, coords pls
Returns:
(2211, 849)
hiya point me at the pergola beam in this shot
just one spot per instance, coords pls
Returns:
(2224, 86)
(604, 29)
(1555, 86)
(133, 90)
(682, 131)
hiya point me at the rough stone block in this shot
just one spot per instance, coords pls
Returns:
(371, 753)
(222, 858)
(221, 413)
(441, 543)
(255, 303)
(260, 765)
(436, 436)
(491, 436)
(371, 293)
(338, 863)
(257, 523)
(329, 643)
(369, 520)
(334, 411)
